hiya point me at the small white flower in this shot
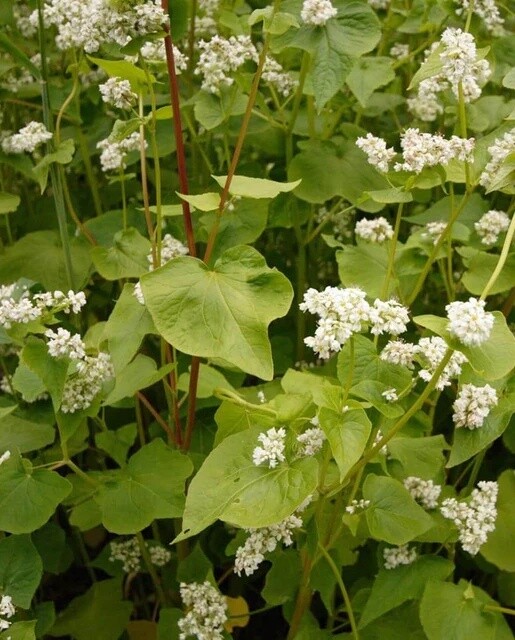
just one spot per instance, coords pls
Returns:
(476, 519)
(388, 317)
(128, 553)
(7, 610)
(114, 153)
(272, 450)
(499, 151)
(83, 385)
(261, 397)
(396, 556)
(207, 611)
(311, 440)
(400, 352)
(118, 92)
(159, 556)
(487, 10)
(378, 154)
(469, 322)
(219, 57)
(399, 51)
(433, 231)
(28, 138)
(491, 225)
(317, 12)
(424, 491)
(62, 344)
(473, 405)
(376, 230)
(420, 150)
(275, 75)
(357, 505)
(5, 456)
(432, 350)
(390, 395)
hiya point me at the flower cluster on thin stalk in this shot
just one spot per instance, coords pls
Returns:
(311, 440)
(461, 69)
(344, 312)
(397, 556)
(472, 405)
(118, 93)
(317, 12)
(272, 450)
(207, 611)
(474, 518)
(487, 10)
(498, 152)
(469, 322)
(205, 22)
(433, 231)
(357, 506)
(28, 138)
(426, 492)
(221, 56)
(376, 230)
(7, 611)
(128, 552)
(265, 540)
(490, 226)
(114, 152)
(170, 248)
(399, 51)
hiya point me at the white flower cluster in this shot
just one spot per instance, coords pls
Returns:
(87, 24)
(264, 540)
(420, 150)
(432, 351)
(69, 302)
(379, 5)
(400, 352)
(460, 67)
(28, 138)
(311, 441)
(433, 230)
(205, 23)
(343, 312)
(476, 519)
(5, 455)
(473, 405)
(396, 556)
(272, 450)
(6, 611)
(378, 154)
(170, 248)
(207, 612)
(376, 230)
(426, 492)
(275, 75)
(155, 52)
(128, 552)
(16, 306)
(317, 12)
(399, 51)
(490, 226)
(62, 344)
(114, 152)
(118, 93)
(390, 395)
(220, 56)
(21, 15)
(487, 10)
(357, 505)
(86, 382)
(498, 151)
(377, 439)
(469, 322)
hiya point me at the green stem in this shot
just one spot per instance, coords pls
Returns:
(506, 610)
(475, 470)
(151, 569)
(88, 168)
(304, 68)
(144, 180)
(350, 376)
(391, 255)
(502, 258)
(303, 597)
(55, 178)
(463, 129)
(121, 175)
(301, 288)
(345, 595)
(78, 471)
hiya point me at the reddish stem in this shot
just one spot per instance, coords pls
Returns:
(157, 417)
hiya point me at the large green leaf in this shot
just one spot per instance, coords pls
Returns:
(127, 258)
(24, 434)
(361, 29)
(364, 266)
(367, 75)
(23, 260)
(150, 487)
(20, 569)
(28, 497)
(52, 371)
(393, 515)
(480, 266)
(247, 187)
(230, 487)
(468, 442)
(126, 327)
(222, 312)
(211, 110)
(493, 359)
(392, 587)
(100, 613)
(347, 434)
(8, 202)
(141, 373)
(331, 63)
(456, 612)
(23, 630)
(499, 548)
(422, 457)
(117, 443)
(232, 418)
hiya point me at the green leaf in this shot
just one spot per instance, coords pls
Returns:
(51, 371)
(509, 79)
(498, 548)
(212, 110)
(117, 443)
(367, 75)
(20, 569)
(331, 63)
(141, 373)
(23, 434)
(62, 155)
(456, 612)
(127, 258)
(421, 457)
(372, 391)
(393, 515)
(28, 497)
(493, 359)
(209, 379)
(50, 542)
(347, 434)
(23, 630)
(247, 187)
(468, 442)
(150, 487)
(364, 266)
(230, 487)
(360, 27)
(480, 266)
(100, 613)
(167, 628)
(432, 66)
(126, 327)
(392, 587)
(7, 45)
(126, 71)
(203, 202)
(27, 383)
(195, 567)
(389, 196)
(232, 418)
(282, 578)
(23, 260)
(221, 312)
(8, 202)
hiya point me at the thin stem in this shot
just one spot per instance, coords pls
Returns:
(301, 264)
(502, 258)
(506, 610)
(156, 416)
(348, 381)
(170, 355)
(78, 471)
(345, 595)
(144, 180)
(304, 68)
(391, 255)
(150, 568)
(121, 175)
(303, 597)
(463, 128)
(192, 398)
(88, 168)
